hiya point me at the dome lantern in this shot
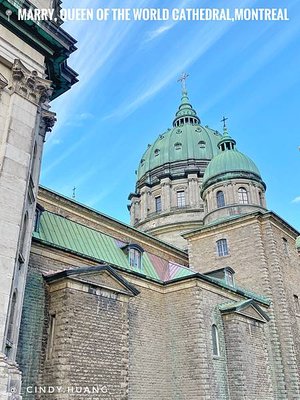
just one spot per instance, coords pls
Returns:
(185, 114)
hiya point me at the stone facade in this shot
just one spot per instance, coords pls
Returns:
(154, 344)
(261, 250)
(254, 199)
(181, 208)
(132, 338)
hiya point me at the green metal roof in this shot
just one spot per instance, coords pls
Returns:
(180, 143)
(71, 236)
(230, 164)
(184, 142)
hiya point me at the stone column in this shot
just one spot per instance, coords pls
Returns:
(193, 190)
(144, 204)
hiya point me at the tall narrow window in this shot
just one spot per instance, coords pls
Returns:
(11, 320)
(220, 199)
(22, 247)
(222, 247)
(51, 335)
(297, 304)
(181, 199)
(215, 341)
(260, 196)
(37, 217)
(158, 204)
(135, 258)
(243, 195)
(285, 246)
(229, 278)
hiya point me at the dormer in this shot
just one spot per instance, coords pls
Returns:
(135, 255)
(224, 274)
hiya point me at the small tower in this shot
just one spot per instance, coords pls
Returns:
(232, 184)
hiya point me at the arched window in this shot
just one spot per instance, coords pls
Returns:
(222, 247)
(243, 196)
(220, 199)
(215, 341)
(202, 144)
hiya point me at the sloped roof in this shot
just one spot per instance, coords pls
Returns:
(68, 235)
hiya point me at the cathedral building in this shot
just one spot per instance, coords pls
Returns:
(197, 299)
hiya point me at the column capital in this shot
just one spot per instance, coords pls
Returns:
(29, 85)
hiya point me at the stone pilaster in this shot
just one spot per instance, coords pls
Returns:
(166, 194)
(24, 105)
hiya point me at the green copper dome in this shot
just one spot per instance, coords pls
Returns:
(187, 140)
(180, 143)
(230, 164)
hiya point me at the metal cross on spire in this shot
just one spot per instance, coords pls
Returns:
(224, 122)
(183, 79)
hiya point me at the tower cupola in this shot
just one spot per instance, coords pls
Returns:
(232, 183)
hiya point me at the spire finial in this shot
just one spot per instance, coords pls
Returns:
(183, 79)
(224, 123)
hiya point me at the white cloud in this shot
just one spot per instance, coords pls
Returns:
(193, 50)
(296, 200)
(157, 32)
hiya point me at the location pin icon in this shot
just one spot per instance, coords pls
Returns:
(8, 13)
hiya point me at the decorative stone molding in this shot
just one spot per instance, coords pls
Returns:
(29, 85)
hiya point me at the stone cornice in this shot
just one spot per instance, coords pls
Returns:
(47, 38)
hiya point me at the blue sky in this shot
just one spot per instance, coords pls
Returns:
(128, 94)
